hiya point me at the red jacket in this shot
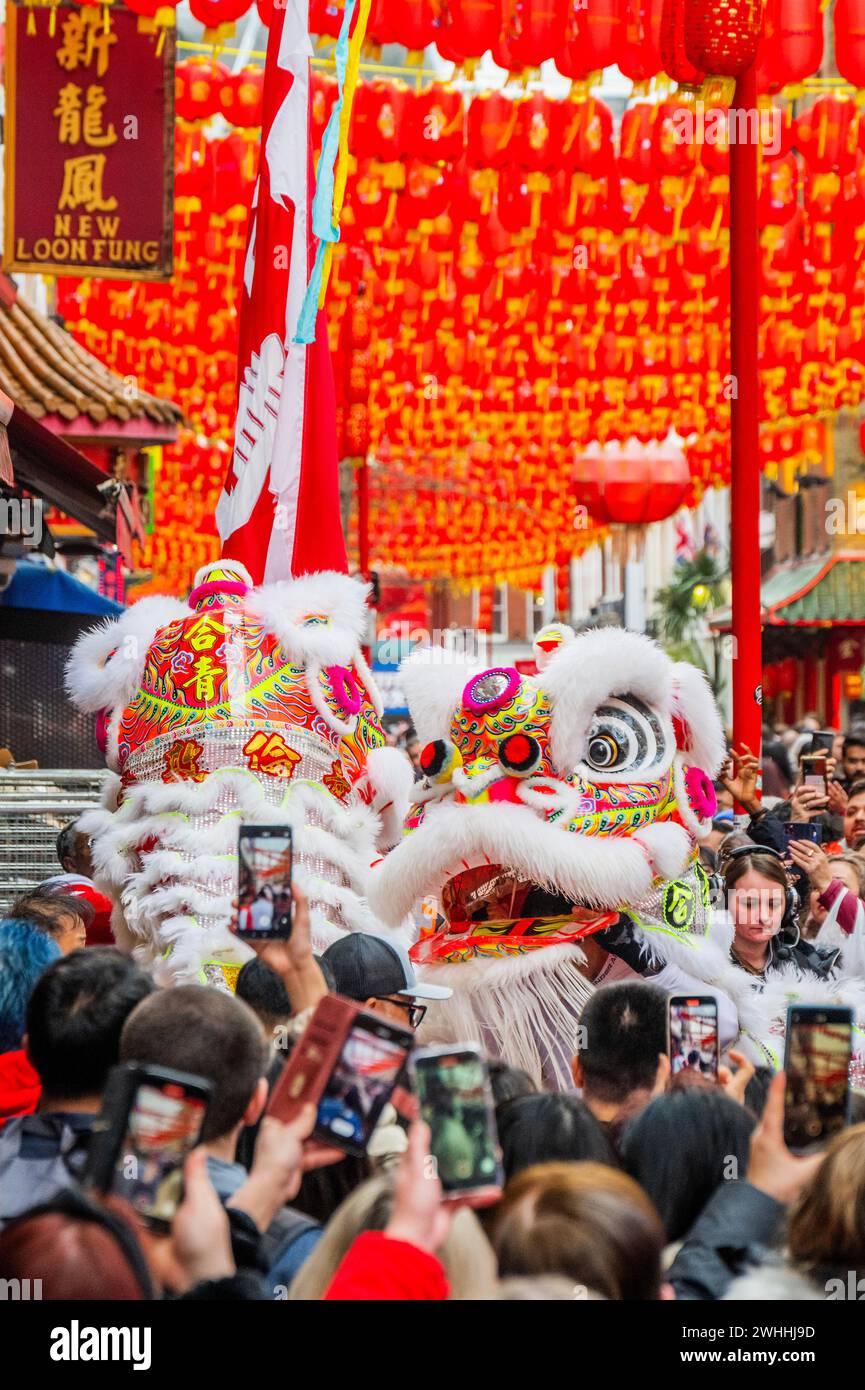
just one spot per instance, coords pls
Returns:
(377, 1267)
(20, 1087)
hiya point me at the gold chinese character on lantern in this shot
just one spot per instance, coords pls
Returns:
(85, 38)
(181, 762)
(82, 185)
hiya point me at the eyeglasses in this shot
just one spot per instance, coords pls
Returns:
(416, 1012)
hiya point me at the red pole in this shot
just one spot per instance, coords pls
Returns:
(363, 518)
(745, 425)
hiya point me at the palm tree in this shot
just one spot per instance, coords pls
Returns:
(698, 586)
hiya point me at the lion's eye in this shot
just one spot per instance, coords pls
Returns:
(625, 736)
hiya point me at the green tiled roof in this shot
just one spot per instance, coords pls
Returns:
(839, 597)
(797, 593)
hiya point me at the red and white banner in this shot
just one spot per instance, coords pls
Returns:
(279, 511)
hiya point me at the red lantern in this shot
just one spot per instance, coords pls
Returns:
(434, 125)
(492, 121)
(214, 13)
(850, 40)
(636, 159)
(592, 38)
(199, 83)
(531, 32)
(640, 56)
(409, 22)
(674, 55)
(633, 486)
(722, 39)
(827, 135)
(792, 45)
(468, 29)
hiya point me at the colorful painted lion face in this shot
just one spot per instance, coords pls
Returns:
(242, 706)
(553, 802)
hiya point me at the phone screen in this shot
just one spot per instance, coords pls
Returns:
(814, 770)
(819, 1047)
(264, 889)
(360, 1085)
(694, 1036)
(164, 1123)
(457, 1104)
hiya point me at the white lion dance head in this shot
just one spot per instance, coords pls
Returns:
(243, 705)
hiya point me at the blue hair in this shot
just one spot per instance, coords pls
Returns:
(25, 951)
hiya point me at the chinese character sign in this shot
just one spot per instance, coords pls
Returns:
(90, 144)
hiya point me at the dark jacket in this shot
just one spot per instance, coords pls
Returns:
(39, 1156)
(738, 1225)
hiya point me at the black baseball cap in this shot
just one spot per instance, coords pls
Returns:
(363, 966)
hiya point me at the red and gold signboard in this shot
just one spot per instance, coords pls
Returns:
(89, 144)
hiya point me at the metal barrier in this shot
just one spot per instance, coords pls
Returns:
(34, 807)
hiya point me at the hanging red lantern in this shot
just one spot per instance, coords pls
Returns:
(791, 48)
(213, 14)
(635, 486)
(636, 159)
(674, 54)
(434, 125)
(409, 22)
(640, 56)
(591, 39)
(721, 39)
(468, 30)
(531, 30)
(850, 40)
(827, 134)
(492, 120)
(199, 83)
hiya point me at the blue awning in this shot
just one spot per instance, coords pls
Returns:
(55, 591)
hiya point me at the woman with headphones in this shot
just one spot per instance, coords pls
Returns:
(764, 908)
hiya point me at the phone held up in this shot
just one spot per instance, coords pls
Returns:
(452, 1085)
(264, 857)
(814, 773)
(151, 1118)
(348, 1063)
(693, 1035)
(818, 1050)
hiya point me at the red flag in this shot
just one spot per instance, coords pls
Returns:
(279, 510)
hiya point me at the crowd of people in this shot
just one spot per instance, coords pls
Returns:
(638, 1184)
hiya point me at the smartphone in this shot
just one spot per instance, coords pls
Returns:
(151, 1118)
(693, 1035)
(456, 1101)
(348, 1062)
(822, 743)
(817, 1056)
(811, 830)
(814, 771)
(264, 882)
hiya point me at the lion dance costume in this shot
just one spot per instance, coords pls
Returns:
(243, 705)
(557, 811)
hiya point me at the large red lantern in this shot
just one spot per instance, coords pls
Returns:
(591, 39)
(721, 38)
(632, 485)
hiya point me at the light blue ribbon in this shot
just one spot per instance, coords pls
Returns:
(322, 203)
